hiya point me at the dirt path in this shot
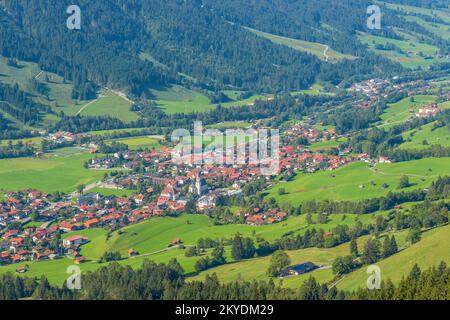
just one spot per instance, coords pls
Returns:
(38, 75)
(325, 53)
(86, 105)
(86, 188)
(122, 95)
(398, 174)
(155, 252)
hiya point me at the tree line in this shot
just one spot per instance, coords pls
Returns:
(166, 282)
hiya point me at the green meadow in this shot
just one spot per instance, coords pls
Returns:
(322, 51)
(430, 251)
(144, 142)
(108, 103)
(353, 182)
(401, 111)
(425, 137)
(59, 95)
(101, 133)
(412, 55)
(178, 99)
(36, 141)
(326, 145)
(315, 90)
(55, 172)
(235, 102)
(443, 14)
(439, 29)
(151, 239)
(257, 268)
(231, 124)
(113, 192)
(156, 234)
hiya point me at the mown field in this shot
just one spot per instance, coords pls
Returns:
(62, 171)
(353, 182)
(430, 251)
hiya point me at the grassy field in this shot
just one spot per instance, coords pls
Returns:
(347, 181)
(430, 251)
(56, 172)
(231, 124)
(315, 90)
(440, 136)
(439, 29)
(107, 104)
(400, 112)
(35, 141)
(257, 268)
(409, 57)
(443, 14)
(322, 51)
(152, 237)
(326, 145)
(155, 234)
(59, 92)
(144, 142)
(178, 99)
(235, 102)
(113, 192)
(101, 133)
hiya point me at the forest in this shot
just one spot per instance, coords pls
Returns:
(166, 282)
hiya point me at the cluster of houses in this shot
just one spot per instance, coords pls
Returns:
(306, 130)
(169, 186)
(428, 111)
(259, 217)
(305, 160)
(370, 87)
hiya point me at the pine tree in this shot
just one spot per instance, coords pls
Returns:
(354, 247)
(371, 252)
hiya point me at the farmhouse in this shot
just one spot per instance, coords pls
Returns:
(300, 269)
(74, 241)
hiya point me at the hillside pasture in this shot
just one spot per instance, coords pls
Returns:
(353, 182)
(322, 51)
(413, 54)
(177, 99)
(404, 109)
(425, 137)
(62, 171)
(430, 251)
(108, 103)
